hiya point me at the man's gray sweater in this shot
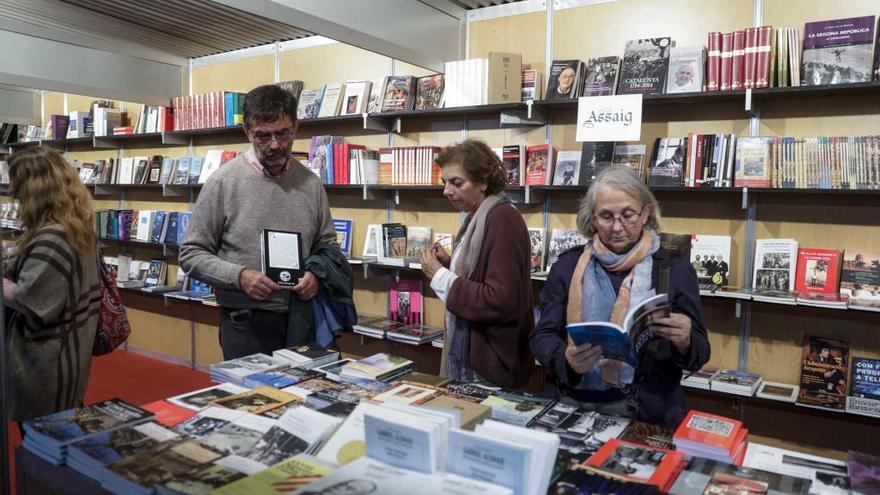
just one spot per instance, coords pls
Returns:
(233, 208)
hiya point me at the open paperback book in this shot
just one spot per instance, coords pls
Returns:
(622, 343)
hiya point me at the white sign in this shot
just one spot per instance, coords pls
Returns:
(609, 118)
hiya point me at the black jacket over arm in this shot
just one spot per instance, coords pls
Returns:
(660, 397)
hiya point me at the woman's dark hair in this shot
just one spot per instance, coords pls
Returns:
(268, 103)
(480, 163)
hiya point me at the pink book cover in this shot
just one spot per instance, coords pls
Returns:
(405, 300)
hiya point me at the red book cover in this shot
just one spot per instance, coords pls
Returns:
(227, 155)
(713, 63)
(168, 414)
(639, 463)
(710, 430)
(750, 58)
(818, 270)
(726, 61)
(337, 162)
(737, 65)
(698, 162)
(539, 160)
(762, 56)
(166, 119)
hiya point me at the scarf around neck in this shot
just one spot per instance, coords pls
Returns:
(458, 337)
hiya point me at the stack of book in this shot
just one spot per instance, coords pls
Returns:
(700, 379)
(710, 436)
(235, 370)
(516, 408)
(415, 334)
(306, 356)
(381, 367)
(198, 400)
(49, 436)
(281, 378)
(91, 456)
(622, 460)
(736, 382)
(375, 326)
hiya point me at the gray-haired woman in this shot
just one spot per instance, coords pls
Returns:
(617, 268)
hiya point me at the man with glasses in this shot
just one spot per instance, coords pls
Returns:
(264, 188)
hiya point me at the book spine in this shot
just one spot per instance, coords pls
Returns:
(726, 61)
(764, 35)
(737, 66)
(750, 58)
(713, 62)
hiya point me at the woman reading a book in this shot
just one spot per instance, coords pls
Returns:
(485, 283)
(621, 265)
(50, 286)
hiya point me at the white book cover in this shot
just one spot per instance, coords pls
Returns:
(567, 169)
(829, 476)
(294, 433)
(403, 440)
(356, 97)
(367, 475)
(710, 257)
(778, 391)
(198, 400)
(348, 442)
(561, 240)
(332, 98)
(309, 103)
(543, 445)
(775, 261)
(685, 73)
(145, 225)
(493, 459)
(239, 436)
(207, 421)
(453, 484)
(371, 240)
(210, 165)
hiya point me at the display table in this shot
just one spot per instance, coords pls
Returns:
(35, 476)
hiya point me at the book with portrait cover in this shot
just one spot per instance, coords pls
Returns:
(405, 300)
(775, 264)
(640, 463)
(710, 257)
(864, 395)
(256, 401)
(539, 164)
(567, 168)
(564, 80)
(595, 157)
(399, 94)
(686, 69)
(818, 271)
(512, 157)
(860, 275)
(429, 92)
(644, 66)
(309, 103)
(601, 77)
(355, 98)
(824, 372)
(838, 51)
(667, 164)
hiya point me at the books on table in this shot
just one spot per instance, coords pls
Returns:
(138, 473)
(405, 392)
(91, 455)
(699, 473)
(828, 476)
(200, 399)
(256, 401)
(778, 391)
(700, 379)
(307, 356)
(711, 436)
(381, 367)
(639, 463)
(288, 475)
(581, 432)
(515, 408)
(235, 370)
(281, 378)
(736, 382)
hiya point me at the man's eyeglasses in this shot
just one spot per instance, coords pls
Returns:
(281, 137)
(628, 218)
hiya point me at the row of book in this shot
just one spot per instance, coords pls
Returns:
(300, 422)
(830, 379)
(156, 226)
(338, 162)
(156, 169)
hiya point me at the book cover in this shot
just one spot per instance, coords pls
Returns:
(295, 88)
(567, 169)
(774, 264)
(168, 414)
(631, 155)
(162, 463)
(309, 103)
(564, 80)
(581, 431)
(469, 412)
(864, 396)
(429, 92)
(354, 101)
(503, 78)
(256, 401)
(405, 300)
(601, 77)
(709, 257)
(699, 472)
(418, 239)
(516, 408)
(539, 164)
(639, 463)
(343, 228)
(499, 461)
(667, 169)
(594, 157)
(512, 157)
(708, 430)
(331, 100)
(752, 162)
(110, 446)
(860, 275)
(377, 366)
(394, 237)
(824, 372)
(408, 393)
(644, 66)
(238, 436)
(818, 270)
(203, 480)
(562, 240)
(65, 427)
(398, 94)
(778, 391)
(445, 239)
(838, 51)
(531, 84)
(686, 69)
(538, 243)
(284, 477)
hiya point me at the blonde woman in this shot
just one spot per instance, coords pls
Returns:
(51, 287)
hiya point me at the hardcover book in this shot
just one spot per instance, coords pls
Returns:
(818, 271)
(343, 228)
(581, 432)
(601, 77)
(838, 51)
(567, 169)
(331, 100)
(408, 393)
(539, 164)
(824, 372)
(418, 239)
(60, 429)
(256, 401)
(104, 448)
(516, 408)
(204, 480)
(565, 79)
(512, 157)
(309, 103)
(709, 256)
(560, 241)
(631, 155)
(639, 463)
(667, 166)
(138, 473)
(686, 69)
(399, 94)
(644, 66)
(700, 474)
(860, 275)
(594, 157)
(774, 264)
(238, 436)
(357, 94)
(752, 167)
(531, 84)
(429, 92)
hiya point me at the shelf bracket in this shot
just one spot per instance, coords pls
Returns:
(104, 143)
(750, 110)
(526, 196)
(376, 123)
(532, 116)
(745, 199)
(175, 139)
(369, 194)
(169, 191)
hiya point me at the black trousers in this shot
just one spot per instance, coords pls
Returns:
(248, 331)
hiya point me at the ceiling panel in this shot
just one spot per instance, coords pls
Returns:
(478, 4)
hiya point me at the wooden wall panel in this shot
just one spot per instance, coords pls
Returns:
(525, 34)
(237, 75)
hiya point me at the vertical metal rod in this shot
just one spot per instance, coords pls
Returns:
(5, 481)
(277, 61)
(746, 313)
(548, 62)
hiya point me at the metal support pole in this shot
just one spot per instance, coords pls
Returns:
(5, 481)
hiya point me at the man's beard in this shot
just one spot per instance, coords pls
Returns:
(276, 159)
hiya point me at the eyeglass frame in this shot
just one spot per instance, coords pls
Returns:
(283, 137)
(619, 217)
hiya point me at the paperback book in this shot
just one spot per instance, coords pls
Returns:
(775, 264)
(256, 401)
(138, 473)
(567, 170)
(686, 69)
(601, 77)
(860, 275)
(562, 240)
(565, 79)
(778, 391)
(594, 157)
(631, 155)
(709, 256)
(700, 474)
(516, 408)
(838, 51)
(405, 300)
(667, 164)
(538, 243)
(581, 432)
(644, 66)
(864, 396)
(639, 463)
(818, 271)
(824, 372)
(285, 477)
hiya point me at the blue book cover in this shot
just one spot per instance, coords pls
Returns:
(110, 446)
(181, 176)
(195, 169)
(865, 378)
(183, 220)
(488, 459)
(64, 427)
(343, 234)
(229, 108)
(170, 234)
(112, 231)
(274, 379)
(158, 224)
(613, 339)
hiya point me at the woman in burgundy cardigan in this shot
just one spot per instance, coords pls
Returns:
(486, 282)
